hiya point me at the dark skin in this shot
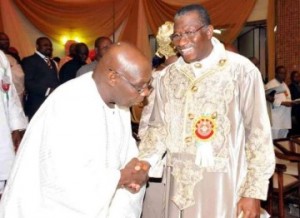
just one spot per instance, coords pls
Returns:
(197, 48)
(134, 175)
(4, 42)
(250, 207)
(44, 46)
(81, 52)
(102, 47)
(17, 136)
(120, 74)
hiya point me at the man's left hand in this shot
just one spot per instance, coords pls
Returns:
(249, 206)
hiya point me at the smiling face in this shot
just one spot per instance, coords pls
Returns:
(194, 41)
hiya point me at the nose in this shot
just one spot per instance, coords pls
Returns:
(182, 41)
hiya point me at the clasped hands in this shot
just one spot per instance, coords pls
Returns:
(134, 175)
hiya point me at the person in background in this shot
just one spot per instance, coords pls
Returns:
(210, 116)
(12, 121)
(279, 101)
(295, 95)
(56, 59)
(40, 76)
(69, 69)
(15, 53)
(77, 156)
(7, 49)
(102, 44)
(255, 61)
(16, 69)
(69, 51)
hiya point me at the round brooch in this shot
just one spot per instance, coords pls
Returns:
(205, 127)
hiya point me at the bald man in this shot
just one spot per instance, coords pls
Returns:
(76, 159)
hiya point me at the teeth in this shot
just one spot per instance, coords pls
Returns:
(185, 50)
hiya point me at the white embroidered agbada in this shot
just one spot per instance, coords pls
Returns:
(12, 118)
(218, 102)
(69, 160)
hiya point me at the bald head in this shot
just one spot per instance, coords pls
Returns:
(126, 58)
(122, 75)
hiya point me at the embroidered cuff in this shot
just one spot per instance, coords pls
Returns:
(255, 189)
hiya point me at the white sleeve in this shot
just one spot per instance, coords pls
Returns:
(75, 180)
(259, 146)
(17, 118)
(126, 204)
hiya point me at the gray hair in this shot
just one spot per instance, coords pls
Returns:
(202, 12)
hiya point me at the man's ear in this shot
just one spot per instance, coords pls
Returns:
(112, 78)
(210, 31)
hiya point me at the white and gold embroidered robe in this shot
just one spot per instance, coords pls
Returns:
(69, 162)
(229, 87)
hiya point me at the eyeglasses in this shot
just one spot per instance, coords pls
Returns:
(176, 37)
(142, 90)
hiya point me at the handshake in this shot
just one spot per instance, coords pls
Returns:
(134, 175)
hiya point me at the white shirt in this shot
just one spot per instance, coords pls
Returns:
(70, 159)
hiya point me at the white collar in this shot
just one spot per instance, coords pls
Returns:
(40, 54)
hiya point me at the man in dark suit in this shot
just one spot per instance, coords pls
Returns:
(40, 76)
(69, 69)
